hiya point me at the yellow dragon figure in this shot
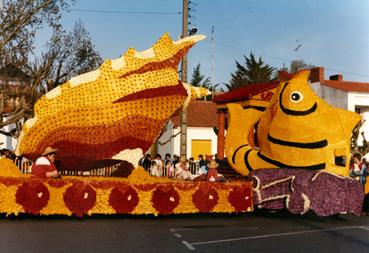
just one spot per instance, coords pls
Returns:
(297, 130)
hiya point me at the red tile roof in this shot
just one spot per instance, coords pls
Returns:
(243, 93)
(347, 86)
(200, 114)
(317, 75)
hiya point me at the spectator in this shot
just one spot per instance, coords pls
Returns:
(159, 164)
(168, 169)
(182, 169)
(154, 171)
(193, 166)
(358, 170)
(146, 163)
(202, 165)
(175, 160)
(45, 165)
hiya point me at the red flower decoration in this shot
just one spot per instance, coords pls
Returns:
(165, 198)
(79, 198)
(7, 181)
(123, 199)
(33, 196)
(145, 187)
(240, 198)
(186, 186)
(103, 184)
(205, 198)
(56, 183)
(220, 185)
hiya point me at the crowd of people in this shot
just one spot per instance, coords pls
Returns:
(182, 168)
(359, 170)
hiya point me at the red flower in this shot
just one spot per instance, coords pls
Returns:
(103, 184)
(56, 183)
(240, 197)
(185, 186)
(7, 181)
(145, 187)
(205, 198)
(79, 198)
(33, 196)
(123, 199)
(165, 198)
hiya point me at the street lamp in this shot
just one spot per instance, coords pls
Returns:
(193, 31)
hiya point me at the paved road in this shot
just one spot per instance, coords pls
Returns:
(245, 233)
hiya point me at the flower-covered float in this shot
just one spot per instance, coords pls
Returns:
(302, 159)
(108, 116)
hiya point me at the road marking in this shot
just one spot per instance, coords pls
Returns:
(180, 229)
(365, 228)
(246, 228)
(273, 235)
(188, 245)
(177, 235)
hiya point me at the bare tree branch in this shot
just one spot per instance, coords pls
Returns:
(170, 138)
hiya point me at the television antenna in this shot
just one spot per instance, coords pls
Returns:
(297, 49)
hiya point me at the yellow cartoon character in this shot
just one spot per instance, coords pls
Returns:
(298, 130)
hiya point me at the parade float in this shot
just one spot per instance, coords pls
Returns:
(302, 159)
(114, 114)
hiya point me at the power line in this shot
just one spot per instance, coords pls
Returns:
(126, 12)
(284, 59)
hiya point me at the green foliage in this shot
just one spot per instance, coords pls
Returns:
(252, 72)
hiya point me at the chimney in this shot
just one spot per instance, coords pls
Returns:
(317, 74)
(337, 77)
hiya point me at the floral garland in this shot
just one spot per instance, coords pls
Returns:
(139, 194)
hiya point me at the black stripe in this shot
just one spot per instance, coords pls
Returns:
(259, 108)
(319, 166)
(234, 154)
(246, 159)
(311, 145)
(293, 112)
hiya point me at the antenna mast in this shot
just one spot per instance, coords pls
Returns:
(212, 57)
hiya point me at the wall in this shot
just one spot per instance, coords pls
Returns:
(167, 133)
(334, 97)
(346, 100)
(193, 133)
(8, 142)
(360, 100)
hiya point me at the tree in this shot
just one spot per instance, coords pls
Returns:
(68, 54)
(297, 65)
(198, 79)
(253, 72)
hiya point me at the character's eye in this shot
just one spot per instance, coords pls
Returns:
(296, 96)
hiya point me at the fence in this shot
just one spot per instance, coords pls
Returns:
(25, 168)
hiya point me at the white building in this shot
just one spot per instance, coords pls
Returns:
(201, 137)
(353, 96)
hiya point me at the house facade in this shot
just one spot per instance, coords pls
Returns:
(352, 96)
(201, 136)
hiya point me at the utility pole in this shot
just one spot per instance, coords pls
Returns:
(183, 115)
(212, 57)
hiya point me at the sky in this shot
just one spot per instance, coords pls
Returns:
(333, 34)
